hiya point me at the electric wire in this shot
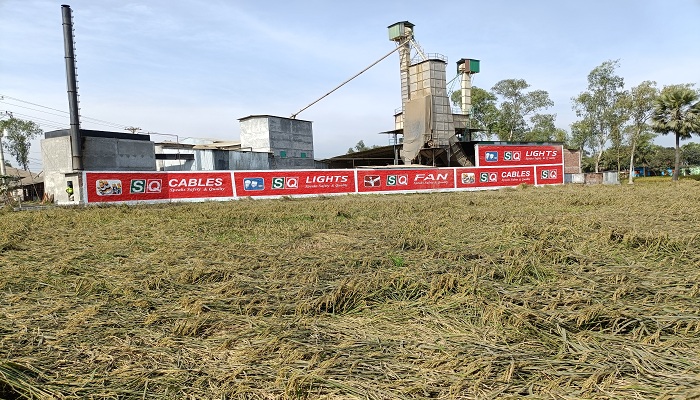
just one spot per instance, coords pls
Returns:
(95, 121)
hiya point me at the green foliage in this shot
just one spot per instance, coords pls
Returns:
(691, 153)
(515, 117)
(485, 113)
(517, 105)
(677, 111)
(659, 157)
(360, 146)
(601, 110)
(17, 142)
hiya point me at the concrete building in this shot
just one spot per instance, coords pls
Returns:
(101, 151)
(289, 141)
(193, 154)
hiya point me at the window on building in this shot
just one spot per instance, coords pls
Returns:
(303, 155)
(283, 153)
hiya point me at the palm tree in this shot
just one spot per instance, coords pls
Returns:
(677, 110)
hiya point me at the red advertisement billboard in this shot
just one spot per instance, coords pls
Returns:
(105, 187)
(549, 175)
(293, 182)
(474, 178)
(380, 180)
(503, 155)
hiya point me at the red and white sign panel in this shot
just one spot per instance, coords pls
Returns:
(104, 187)
(474, 178)
(501, 155)
(532, 165)
(404, 179)
(293, 182)
(549, 175)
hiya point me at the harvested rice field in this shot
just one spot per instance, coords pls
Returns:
(566, 292)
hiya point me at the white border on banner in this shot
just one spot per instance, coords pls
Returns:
(233, 182)
(83, 189)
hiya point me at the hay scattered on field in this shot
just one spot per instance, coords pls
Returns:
(558, 292)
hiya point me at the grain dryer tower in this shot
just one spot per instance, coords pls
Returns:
(425, 115)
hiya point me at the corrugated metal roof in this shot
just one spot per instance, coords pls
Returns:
(26, 177)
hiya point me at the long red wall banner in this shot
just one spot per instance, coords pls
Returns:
(119, 187)
(489, 155)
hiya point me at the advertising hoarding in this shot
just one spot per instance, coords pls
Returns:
(111, 187)
(293, 182)
(474, 178)
(393, 180)
(489, 155)
(549, 175)
(104, 187)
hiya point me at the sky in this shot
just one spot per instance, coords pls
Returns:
(191, 68)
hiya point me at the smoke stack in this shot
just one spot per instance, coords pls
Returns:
(69, 50)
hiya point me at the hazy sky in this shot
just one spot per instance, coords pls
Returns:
(192, 68)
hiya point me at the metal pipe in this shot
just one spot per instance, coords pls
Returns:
(71, 82)
(466, 89)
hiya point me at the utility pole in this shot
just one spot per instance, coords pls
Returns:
(132, 129)
(3, 133)
(3, 171)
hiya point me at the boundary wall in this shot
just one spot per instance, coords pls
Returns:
(498, 166)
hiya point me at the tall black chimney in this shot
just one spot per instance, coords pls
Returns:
(75, 137)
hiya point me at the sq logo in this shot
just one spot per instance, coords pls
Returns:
(285, 183)
(396, 180)
(511, 156)
(146, 186)
(549, 174)
(486, 177)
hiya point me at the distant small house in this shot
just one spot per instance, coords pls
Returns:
(30, 186)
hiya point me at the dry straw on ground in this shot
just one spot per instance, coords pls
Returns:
(559, 293)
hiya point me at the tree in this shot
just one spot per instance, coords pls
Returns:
(677, 110)
(639, 102)
(17, 142)
(360, 146)
(543, 129)
(516, 105)
(600, 109)
(691, 153)
(484, 114)
(659, 157)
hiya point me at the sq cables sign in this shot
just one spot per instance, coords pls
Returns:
(475, 178)
(293, 182)
(107, 187)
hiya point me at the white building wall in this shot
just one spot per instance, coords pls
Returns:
(58, 162)
(255, 133)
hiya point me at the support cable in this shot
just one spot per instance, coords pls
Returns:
(294, 116)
